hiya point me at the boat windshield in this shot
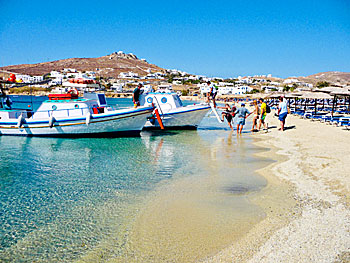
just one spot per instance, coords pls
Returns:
(177, 100)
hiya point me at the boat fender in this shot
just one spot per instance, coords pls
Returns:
(20, 121)
(51, 121)
(88, 118)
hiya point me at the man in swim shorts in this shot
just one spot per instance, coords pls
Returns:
(242, 113)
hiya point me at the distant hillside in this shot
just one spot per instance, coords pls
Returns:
(334, 77)
(106, 66)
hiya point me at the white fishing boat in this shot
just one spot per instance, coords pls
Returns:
(173, 114)
(67, 115)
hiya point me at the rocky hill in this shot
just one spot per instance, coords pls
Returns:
(333, 77)
(106, 66)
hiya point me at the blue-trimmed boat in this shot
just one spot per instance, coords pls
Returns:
(173, 114)
(67, 115)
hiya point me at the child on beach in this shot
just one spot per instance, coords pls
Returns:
(228, 113)
(241, 116)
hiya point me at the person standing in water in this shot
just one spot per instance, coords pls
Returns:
(242, 113)
(136, 95)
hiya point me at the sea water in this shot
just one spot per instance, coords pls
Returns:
(173, 196)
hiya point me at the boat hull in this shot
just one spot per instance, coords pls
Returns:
(112, 124)
(187, 118)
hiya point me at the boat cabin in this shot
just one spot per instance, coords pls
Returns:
(164, 101)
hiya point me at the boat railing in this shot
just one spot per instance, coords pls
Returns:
(160, 108)
(27, 114)
(14, 114)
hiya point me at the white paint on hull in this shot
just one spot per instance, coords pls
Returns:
(190, 117)
(132, 121)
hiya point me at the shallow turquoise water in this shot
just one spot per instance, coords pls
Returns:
(60, 198)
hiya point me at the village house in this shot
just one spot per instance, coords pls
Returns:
(28, 78)
(128, 75)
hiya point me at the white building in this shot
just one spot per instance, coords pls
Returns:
(203, 87)
(165, 88)
(147, 88)
(74, 75)
(56, 74)
(268, 89)
(290, 81)
(226, 89)
(192, 77)
(239, 90)
(82, 87)
(57, 77)
(29, 79)
(69, 70)
(128, 75)
(117, 87)
(90, 75)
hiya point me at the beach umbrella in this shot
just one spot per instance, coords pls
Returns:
(342, 93)
(329, 89)
(316, 96)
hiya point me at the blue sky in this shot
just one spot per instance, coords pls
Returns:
(213, 38)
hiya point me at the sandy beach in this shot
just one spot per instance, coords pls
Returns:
(314, 160)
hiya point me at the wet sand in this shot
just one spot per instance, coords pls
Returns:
(314, 160)
(197, 216)
(299, 212)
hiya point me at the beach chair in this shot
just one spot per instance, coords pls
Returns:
(308, 115)
(326, 118)
(344, 121)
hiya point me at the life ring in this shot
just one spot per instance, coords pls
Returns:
(73, 91)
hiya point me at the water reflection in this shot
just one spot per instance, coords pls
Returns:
(62, 199)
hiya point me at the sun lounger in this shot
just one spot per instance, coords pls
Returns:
(344, 121)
